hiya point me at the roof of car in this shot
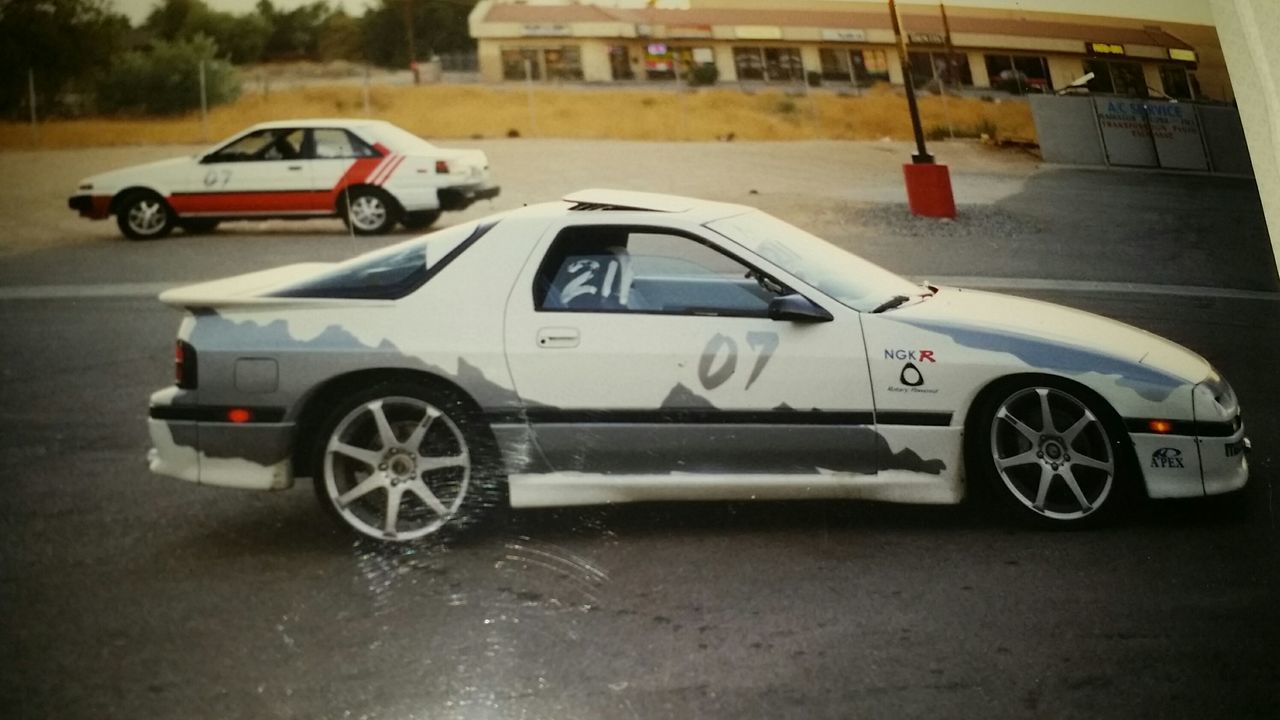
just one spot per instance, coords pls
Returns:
(597, 200)
(320, 122)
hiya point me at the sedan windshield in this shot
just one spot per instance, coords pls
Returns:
(850, 280)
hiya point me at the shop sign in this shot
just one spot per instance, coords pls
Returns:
(925, 39)
(844, 35)
(1183, 55)
(757, 32)
(543, 30)
(1098, 48)
(689, 31)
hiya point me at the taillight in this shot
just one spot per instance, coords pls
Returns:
(184, 365)
(442, 167)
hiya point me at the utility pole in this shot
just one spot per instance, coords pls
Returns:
(408, 33)
(922, 156)
(928, 183)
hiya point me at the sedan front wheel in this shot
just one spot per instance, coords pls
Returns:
(144, 216)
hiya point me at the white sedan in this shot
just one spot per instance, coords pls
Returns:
(370, 173)
(618, 347)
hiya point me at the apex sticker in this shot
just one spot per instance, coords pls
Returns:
(1167, 459)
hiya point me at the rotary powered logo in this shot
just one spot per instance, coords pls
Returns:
(911, 379)
(1167, 459)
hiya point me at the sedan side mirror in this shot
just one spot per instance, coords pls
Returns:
(797, 308)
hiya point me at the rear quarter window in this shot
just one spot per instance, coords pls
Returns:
(394, 272)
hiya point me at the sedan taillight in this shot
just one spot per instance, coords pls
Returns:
(442, 167)
(184, 365)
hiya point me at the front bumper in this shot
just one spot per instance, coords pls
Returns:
(94, 207)
(1186, 466)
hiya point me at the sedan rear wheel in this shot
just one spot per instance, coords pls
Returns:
(396, 465)
(369, 212)
(1051, 454)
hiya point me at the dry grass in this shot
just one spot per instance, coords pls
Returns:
(485, 111)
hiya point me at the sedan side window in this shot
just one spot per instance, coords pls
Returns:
(647, 270)
(268, 144)
(330, 143)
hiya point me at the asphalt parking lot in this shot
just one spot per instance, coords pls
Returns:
(127, 595)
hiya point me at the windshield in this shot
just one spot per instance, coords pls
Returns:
(391, 272)
(847, 278)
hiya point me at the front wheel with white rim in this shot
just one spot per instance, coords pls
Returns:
(1050, 453)
(144, 216)
(396, 465)
(369, 211)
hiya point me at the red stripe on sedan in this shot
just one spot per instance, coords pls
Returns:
(385, 176)
(257, 202)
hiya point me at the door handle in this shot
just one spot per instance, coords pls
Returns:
(295, 167)
(558, 338)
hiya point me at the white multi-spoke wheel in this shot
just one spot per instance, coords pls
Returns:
(1052, 453)
(144, 216)
(369, 211)
(395, 465)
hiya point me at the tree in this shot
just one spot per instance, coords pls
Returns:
(165, 79)
(66, 43)
(295, 34)
(240, 38)
(438, 26)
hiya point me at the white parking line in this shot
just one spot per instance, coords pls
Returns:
(140, 290)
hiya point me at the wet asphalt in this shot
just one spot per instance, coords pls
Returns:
(126, 595)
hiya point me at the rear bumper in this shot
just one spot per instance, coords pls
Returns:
(94, 207)
(461, 198)
(184, 445)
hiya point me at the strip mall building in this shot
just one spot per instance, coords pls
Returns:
(846, 43)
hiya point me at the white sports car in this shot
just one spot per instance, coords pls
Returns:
(370, 173)
(619, 347)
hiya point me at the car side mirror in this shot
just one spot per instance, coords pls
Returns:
(797, 308)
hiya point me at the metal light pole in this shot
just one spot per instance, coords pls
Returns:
(928, 183)
(922, 156)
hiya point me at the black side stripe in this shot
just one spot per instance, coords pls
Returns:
(698, 416)
(215, 413)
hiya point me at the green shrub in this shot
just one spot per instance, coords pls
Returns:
(705, 74)
(165, 79)
(786, 106)
(814, 78)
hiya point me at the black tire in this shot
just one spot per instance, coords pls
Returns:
(1076, 472)
(420, 220)
(144, 215)
(369, 211)
(455, 464)
(198, 226)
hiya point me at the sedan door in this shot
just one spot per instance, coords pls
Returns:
(649, 350)
(264, 172)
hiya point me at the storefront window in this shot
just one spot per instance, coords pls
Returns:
(835, 64)
(1176, 82)
(563, 63)
(928, 67)
(1019, 74)
(783, 64)
(620, 62)
(1116, 77)
(513, 64)
(659, 63)
(749, 63)
(870, 66)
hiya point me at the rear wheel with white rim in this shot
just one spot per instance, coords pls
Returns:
(143, 215)
(400, 462)
(1051, 453)
(369, 211)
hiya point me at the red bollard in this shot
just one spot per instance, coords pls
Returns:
(929, 190)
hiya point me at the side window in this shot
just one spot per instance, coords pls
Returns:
(270, 144)
(647, 270)
(330, 143)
